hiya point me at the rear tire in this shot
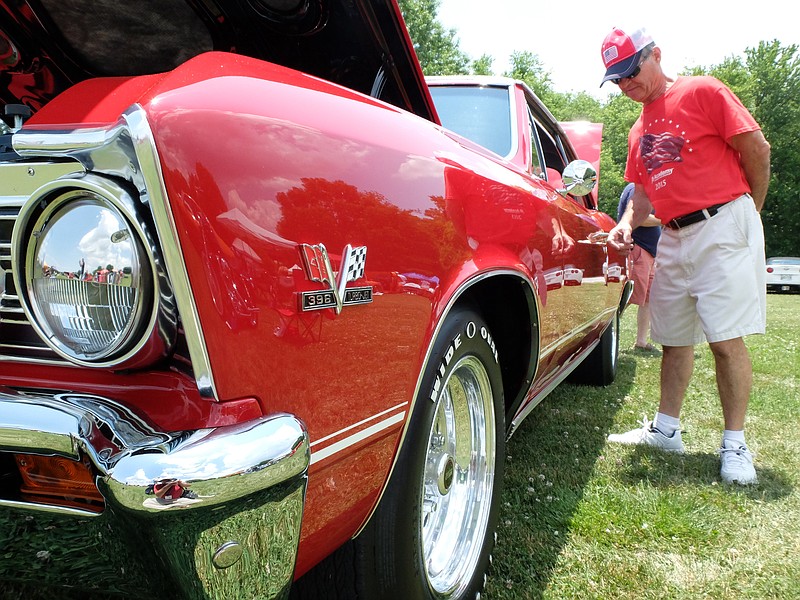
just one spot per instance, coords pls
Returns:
(432, 534)
(600, 367)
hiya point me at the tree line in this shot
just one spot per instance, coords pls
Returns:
(765, 78)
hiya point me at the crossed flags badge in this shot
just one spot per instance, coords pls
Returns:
(318, 268)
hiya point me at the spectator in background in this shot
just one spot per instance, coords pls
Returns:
(643, 257)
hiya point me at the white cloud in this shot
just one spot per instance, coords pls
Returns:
(98, 249)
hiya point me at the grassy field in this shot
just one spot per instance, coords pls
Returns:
(583, 519)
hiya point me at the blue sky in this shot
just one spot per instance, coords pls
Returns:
(567, 39)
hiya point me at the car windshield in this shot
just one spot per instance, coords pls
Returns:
(784, 261)
(479, 113)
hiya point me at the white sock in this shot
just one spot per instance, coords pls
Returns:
(734, 436)
(666, 424)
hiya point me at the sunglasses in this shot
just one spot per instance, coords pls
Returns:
(633, 74)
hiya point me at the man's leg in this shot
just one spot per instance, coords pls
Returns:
(664, 431)
(734, 380)
(643, 324)
(677, 365)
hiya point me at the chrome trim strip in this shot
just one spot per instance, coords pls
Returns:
(38, 361)
(356, 438)
(526, 410)
(155, 194)
(354, 425)
(520, 416)
(55, 510)
(515, 139)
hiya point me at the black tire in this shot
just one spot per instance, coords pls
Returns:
(449, 473)
(600, 367)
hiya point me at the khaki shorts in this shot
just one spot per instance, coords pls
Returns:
(710, 279)
(642, 272)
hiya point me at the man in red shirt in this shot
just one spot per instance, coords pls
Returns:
(698, 158)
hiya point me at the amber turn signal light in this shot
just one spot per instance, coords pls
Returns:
(58, 481)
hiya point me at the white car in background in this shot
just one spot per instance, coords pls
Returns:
(783, 274)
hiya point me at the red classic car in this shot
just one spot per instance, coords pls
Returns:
(271, 302)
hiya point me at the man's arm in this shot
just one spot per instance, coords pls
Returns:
(754, 152)
(638, 210)
(651, 221)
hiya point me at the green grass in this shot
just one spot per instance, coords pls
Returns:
(583, 519)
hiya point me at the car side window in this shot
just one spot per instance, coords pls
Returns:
(554, 155)
(548, 160)
(537, 166)
(479, 113)
(551, 149)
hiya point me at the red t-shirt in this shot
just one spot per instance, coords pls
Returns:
(678, 147)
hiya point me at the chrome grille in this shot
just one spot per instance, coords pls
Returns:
(17, 336)
(18, 339)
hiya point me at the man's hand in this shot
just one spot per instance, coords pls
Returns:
(620, 238)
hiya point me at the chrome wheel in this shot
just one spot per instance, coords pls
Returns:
(432, 534)
(458, 478)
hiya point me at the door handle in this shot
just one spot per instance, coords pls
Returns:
(598, 238)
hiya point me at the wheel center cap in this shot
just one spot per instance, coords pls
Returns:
(447, 469)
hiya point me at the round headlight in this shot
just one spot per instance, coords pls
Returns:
(86, 279)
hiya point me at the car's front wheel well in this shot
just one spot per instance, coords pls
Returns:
(507, 304)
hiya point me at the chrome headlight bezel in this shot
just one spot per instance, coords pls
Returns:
(134, 339)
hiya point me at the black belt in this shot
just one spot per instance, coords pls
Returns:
(695, 217)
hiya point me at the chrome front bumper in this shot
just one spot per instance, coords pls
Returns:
(233, 534)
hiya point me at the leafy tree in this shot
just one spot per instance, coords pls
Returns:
(528, 67)
(436, 47)
(733, 72)
(775, 95)
(483, 65)
(618, 117)
(579, 107)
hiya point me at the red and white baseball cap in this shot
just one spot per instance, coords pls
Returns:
(622, 52)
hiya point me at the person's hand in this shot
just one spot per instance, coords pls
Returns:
(620, 238)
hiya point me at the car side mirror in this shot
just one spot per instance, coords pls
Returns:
(579, 178)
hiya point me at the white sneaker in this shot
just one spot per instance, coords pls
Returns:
(649, 435)
(737, 463)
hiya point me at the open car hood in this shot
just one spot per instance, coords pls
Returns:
(48, 45)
